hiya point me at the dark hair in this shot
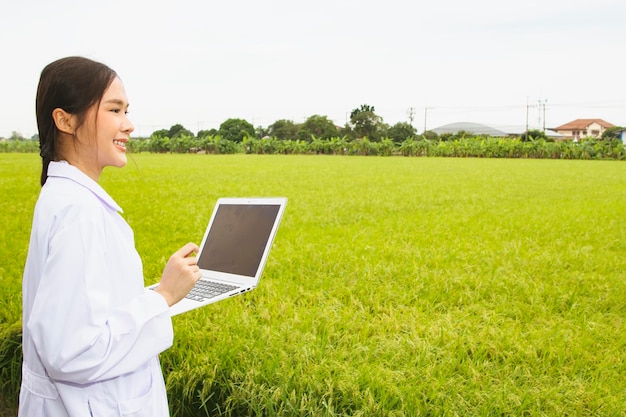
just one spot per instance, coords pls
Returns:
(72, 84)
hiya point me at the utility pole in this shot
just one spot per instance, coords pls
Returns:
(425, 117)
(411, 113)
(527, 117)
(542, 113)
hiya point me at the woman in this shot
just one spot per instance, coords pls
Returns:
(91, 333)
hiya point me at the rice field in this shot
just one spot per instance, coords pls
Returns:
(396, 286)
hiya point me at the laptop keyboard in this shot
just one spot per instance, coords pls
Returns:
(204, 290)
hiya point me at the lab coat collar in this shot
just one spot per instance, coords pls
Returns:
(62, 169)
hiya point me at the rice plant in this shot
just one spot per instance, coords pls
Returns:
(396, 286)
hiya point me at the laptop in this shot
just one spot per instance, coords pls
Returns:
(234, 249)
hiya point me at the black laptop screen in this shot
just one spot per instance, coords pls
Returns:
(237, 238)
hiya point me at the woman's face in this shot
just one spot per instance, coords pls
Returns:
(109, 122)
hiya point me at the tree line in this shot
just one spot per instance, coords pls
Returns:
(365, 134)
(466, 146)
(364, 122)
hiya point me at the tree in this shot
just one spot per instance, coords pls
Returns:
(204, 133)
(236, 129)
(462, 134)
(612, 133)
(161, 133)
(363, 109)
(430, 135)
(366, 122)
(159, 143)
(347, 132)
(447, 136)
(317, 126)
(16, 136)
(177, 131)
(401, 131)
(533, 134)
(283, 130)
(262, 132)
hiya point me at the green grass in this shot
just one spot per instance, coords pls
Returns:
(396, 286)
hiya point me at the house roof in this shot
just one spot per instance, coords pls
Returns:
(581, 124)
(475, 128)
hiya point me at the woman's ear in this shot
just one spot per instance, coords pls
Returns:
(64, 121)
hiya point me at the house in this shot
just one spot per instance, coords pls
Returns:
(583, 128)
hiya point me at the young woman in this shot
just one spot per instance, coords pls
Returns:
(91, 333)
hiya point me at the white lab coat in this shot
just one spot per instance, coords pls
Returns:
(91, 333)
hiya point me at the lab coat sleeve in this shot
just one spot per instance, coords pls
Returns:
(81, 331)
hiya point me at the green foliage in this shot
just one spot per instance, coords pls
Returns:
(219, 145)
(260, 146)
(161, 133)
(449, 145)
(395, 286)
(179, 130)
(283, 130)
(317, 126)
(16, 136)
(182, 143)
(386, 147)
(430, 135)
(366, 122)
(19, 146)
(19, 186)
(159, 144)
(612, 133)
(293, 147)
(235, 130)
(10, 360)
(401, 131)
(204, 133)
(533, 134)
(347, 132)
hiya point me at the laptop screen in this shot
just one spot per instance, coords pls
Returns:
(237, 238)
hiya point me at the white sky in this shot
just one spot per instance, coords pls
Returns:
(199, 63)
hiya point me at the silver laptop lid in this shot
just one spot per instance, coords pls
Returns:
(238, 239)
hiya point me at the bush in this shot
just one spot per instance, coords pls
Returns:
(462, 146)
(10, 361)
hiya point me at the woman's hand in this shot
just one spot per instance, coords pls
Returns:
(180, 274)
